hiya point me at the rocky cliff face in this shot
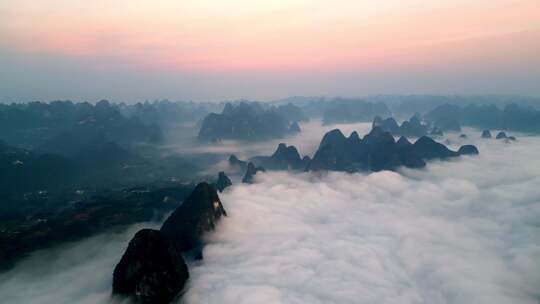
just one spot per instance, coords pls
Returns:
(223, 181)
(198, 214)
(284, 158)
(250, 173)
(152, 270)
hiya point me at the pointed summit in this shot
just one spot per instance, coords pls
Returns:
(223, 181)
(198, 214)
(250, 173)
(334, 137)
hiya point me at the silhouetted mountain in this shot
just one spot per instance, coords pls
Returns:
(246, 121)
(294, 128)
(512, 117)
(166, 113)
(352, 110)
(291, 112)
(501, 135)
(389, 125)
(486, 134)
(409, 128)
(427, 148)
(284, 158)
(468, 150)
(375, 152)
(250, 173)
(152, 269)
(223, 181)
(62, 126)
(198, 214)
(235, 162)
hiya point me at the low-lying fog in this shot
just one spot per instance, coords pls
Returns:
(462, 231)
(306, 141)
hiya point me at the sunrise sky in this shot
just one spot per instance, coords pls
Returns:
(214, 50)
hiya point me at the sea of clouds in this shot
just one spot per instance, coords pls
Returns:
(464, 231)
(461, 231)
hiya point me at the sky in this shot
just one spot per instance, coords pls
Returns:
(210, 50)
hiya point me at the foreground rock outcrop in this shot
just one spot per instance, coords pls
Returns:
(152, 270)
(198, 214)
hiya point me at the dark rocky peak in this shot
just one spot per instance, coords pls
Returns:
(378, 136)
(235, 162)
(151, 270)
(468, 150)
(246, 122)
(486, 134)
(286, 153)
(198, 214)
(403, 142)
(427, 148)
(250, 173)
(512, 138)
(242, 108)
(103, 104)
(463, 136)
(411, 127)
(284, 158)
(501, 135)
(223, 181)
(354, 139)
(294, 128)
(333, 138)
(388, 124)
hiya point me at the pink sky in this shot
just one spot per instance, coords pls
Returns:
(295, 36)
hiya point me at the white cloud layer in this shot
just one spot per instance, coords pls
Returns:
(465, 231)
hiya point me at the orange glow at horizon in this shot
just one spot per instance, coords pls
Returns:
(242, 35)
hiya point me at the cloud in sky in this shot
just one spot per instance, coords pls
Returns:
(266, 49)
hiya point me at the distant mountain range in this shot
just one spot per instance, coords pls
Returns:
(251, 122)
